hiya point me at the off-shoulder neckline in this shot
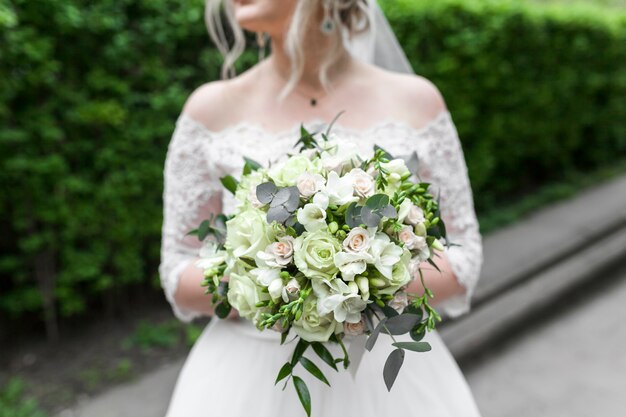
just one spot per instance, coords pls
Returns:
(443, 116)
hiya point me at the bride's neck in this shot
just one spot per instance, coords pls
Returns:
(316, 47)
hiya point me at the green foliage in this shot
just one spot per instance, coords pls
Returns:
(90, 92)
(150, 335)
(13, 401)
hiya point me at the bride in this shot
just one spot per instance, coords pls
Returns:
(326, 56)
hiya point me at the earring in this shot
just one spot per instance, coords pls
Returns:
(328, 25)
(261, 42)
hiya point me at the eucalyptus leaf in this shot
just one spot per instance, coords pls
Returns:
(230, 183)
(284, 372)
(265, 192)
(389, 211)
(369, 217)
(293, 201)
(412, 162)
(389, 311)
(281, 197)
(324, 354)
(313, 370)
(392, 367)
(417, 333)
(353, 215)
(303, 394)
(377, 201)
(414, 346)
(278, 214)
(401, 324)
(371, 340)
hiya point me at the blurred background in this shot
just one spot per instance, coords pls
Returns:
(90, 91)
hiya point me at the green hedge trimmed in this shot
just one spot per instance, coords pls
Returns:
(89, 92)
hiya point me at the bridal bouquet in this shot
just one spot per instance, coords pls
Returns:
(323, 245)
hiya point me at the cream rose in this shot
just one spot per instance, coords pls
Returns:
(399, 302)
(358, 240)
(354, 329)
(362, 183)
(410, 239)
(309, 184)
(277, 254)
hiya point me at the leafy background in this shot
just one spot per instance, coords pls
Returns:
(90, 91)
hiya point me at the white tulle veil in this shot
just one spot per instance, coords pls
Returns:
(378, 45)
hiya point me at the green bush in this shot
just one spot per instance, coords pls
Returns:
(89, 93)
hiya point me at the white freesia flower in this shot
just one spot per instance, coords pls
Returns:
(364, 286)
(321, 200)
(362, 183)
(210, 255)
(400, 275)
(346, 308)
(385, 253)
(291, 291)
(277, 254)
(322, 288)
(265, 276)
(358, 240)
(410, 239)
(338, 155)
(351, 264)
(309, 184)
(312, 217)
(339, 190)
(285, 173)
(275, 289)
(397, 170)
(409, 213)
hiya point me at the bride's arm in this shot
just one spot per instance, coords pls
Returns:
(191, 193)
(460, 265)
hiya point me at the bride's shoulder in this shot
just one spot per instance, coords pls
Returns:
(212, 103)
(414, 94)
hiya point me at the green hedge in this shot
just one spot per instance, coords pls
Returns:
(89, 93)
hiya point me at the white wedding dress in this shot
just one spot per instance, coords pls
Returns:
(232, 367)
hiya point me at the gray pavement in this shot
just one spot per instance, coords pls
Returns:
(574, 366)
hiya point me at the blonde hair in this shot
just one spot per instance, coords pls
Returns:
(347, 15)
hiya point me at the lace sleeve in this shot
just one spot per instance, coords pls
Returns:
(446, 170)
(191, 192)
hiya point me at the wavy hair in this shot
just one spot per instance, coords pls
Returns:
(349, 17)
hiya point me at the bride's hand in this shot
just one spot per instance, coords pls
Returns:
(233, 315)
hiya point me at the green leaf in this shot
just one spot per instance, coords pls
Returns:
(389, 311)
(324, 354)
(204, 229)
(401, 324)
(353, 215)
(314, 370)
(284, 372)
(386, 154)
(265, 192)
(392, 367)
(252, 164)
(299, 351)
(418, 332)
(371, 340)
(303, 394)
(230, 183)
(414, 346)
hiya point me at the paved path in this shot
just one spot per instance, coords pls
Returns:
(574, 366)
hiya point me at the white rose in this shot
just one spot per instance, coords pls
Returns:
(309, 184)
(410, 239)
(291, 291)
(312, 326)
(244, 294)
(285, 173)
(312, 217)
(362, 183)
(248, 233)
(354, 329)
(339, 190)
(410, 213)
(385, 253)
(358, 240)
(352, 264)
(277, 254)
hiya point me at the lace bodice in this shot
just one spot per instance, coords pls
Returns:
(197, 157)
